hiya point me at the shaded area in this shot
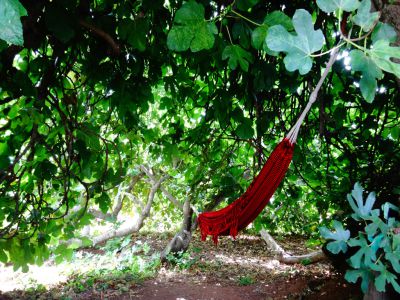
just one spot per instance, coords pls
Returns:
(236, 269)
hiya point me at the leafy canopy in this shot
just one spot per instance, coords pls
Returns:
(201, 93)
(378, 248)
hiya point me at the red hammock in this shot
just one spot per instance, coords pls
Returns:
(244, 210)
(240, 213)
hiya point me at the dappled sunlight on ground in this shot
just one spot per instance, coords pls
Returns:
(46, 275)
(242, 269)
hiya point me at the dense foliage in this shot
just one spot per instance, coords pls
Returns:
(377, 245)
(201, 91)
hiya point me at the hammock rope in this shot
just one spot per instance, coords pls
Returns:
(240, 213)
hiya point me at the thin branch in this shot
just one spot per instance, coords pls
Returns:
(167, 194)
(171, 198)
(102, 34)
(134, 199)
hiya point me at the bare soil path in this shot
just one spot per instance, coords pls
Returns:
(233, 270)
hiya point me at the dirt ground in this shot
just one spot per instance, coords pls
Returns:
(247, 257)
(296, 288)
(233, 270)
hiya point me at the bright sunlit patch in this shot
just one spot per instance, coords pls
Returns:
(246, 261)
(46, 275)
(342, 55)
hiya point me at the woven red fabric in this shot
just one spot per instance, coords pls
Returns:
(240, 213)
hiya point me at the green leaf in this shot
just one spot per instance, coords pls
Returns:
(394, 258)
(380, 283)
(298, 47)
(385, 276)
(4, 150)
(135, 32)
(365, 251)
(396, 241)
(204, 38)
(336, 247)
(245, 129)
(236, 55)
(63, 253)
(330, 6)
(241, 32)
(371, 229)
(104, 202)
(382, 54)
(259, 34)
(395, 132)
(355, 260)
(45, 170)
(3, 256)
(191, 30)
(356, 202)
(393, 280)
(370, 72)
(353, 275)
(278, 18)
(340, 237)
(11, 12)
(91, 140)
(386, 207)
(384, 31)
(364, 18)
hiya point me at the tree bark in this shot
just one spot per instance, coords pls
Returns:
(162, 189)
(120, 232)
(119, 199)
(286, 258)
(373, 294)
(127, 230)
(181, 240)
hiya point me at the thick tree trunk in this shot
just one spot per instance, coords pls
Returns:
(181, 240)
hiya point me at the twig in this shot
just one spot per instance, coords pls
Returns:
(244, 18)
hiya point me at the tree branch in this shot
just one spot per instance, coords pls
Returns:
(162, 189)
(134, 227)
(286, 258)
(102, 34)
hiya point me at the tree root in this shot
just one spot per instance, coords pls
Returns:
(287, 258)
